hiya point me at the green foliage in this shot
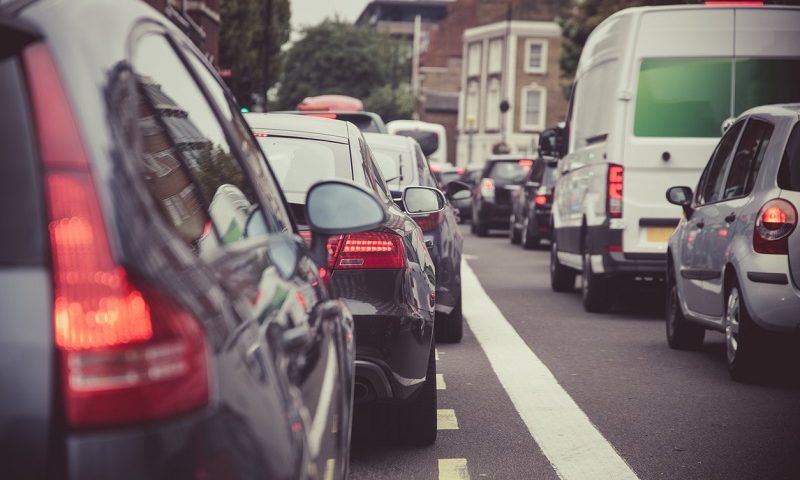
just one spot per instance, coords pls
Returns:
(390, 103)
(250, 50)
(335, 57)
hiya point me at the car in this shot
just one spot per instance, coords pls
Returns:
(386, 276)
(161, 316)
(491, 197)
(470, 176)
(365, 121)
(402, 163)
(432, 137)
(530, 205)
(653, 88)
(734, 260)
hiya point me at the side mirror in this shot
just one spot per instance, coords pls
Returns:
(336, 207)
(454, 188)
(681, 196)
(421, 200)
(551, 141)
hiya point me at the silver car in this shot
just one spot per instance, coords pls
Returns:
(734, 259)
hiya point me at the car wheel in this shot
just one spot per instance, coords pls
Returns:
(529, 240)
(514, 235)
(562, 279)
(416, 417)
(450, 328)
(681, 333)
(745, 342)
(595, 289)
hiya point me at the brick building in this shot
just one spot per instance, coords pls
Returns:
(199, 19)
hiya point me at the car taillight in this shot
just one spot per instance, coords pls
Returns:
(775, 221)
(540, 199)
(487, 187)
(429, 222)
(127, 354)
(368, 250)
(614, 197)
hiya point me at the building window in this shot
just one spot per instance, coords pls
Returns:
(493, 104)
(532, 113)
(496, 55)
(470, 121)
(474, 59)
(535, 56)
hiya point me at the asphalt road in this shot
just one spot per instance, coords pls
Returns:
(668, 414)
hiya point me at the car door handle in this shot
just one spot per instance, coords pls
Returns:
(730, 218)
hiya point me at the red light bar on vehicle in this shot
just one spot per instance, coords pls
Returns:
(734, 4)
(261, 134)
(332, 116)
(526, 163)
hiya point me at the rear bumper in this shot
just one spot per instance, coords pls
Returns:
(629, 264)
(769, 293)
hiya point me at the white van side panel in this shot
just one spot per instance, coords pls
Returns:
(773, 32)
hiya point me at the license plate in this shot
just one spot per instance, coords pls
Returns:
(659, 234)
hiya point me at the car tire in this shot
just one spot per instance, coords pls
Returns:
(529, 241)
(596, 289)
(416, 418)
(746, 344)
(681, 333)
(514, 235)
(450, 328)
(562, 279)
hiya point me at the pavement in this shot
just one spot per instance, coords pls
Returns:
(540, 389)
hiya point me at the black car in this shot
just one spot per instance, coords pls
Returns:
(530, 205)
(161, 317)
(386, 276)
(471, 176)
(364, 121)
(491, 197)
(402, 163)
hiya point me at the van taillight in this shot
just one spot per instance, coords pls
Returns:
(540, 199)
(775, 222)
(614, 197)
(127, 354)
(367, 250)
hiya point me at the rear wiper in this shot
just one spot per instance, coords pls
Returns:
(399, 178)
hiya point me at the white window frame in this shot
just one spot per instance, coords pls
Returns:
(523, 111)
(543, 43)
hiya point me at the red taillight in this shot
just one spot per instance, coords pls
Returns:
(127, 355)
(429, 222)
(540, 199)
(261, 135)
(775, 221)
(614, 198)
(487, 187)
(368, 250)
(615, 248)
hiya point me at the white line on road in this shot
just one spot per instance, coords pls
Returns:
(574, 447)
(436, 353)
(446, 419)
(453, 469)
(440, 385)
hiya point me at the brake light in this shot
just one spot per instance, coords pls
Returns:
(614, 197)
(487, 187)
(126, 354)
(540, 199)
(525, 163)
(261, 135)
(775, 222)
(430, 221)
(734, 4)
(369, 250)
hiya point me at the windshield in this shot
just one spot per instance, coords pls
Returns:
(397, 167)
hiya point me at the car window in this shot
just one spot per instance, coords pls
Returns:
(509, 171)
(789, 172)
(427, 140)
(397, 166)
(372, 174)
(712, 181)
(189, 167)
(425, 176)
(537, 171)
(752, 145)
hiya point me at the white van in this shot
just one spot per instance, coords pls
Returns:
(432, 137)
(653, 87)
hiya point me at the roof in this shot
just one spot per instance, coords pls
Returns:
(385, 140)
(778, 110)
(298, 124)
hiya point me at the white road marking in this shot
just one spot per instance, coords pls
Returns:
(467, 256)
(436, 353)
(574, 447)
(446, 419)
(453, 469)
(440, 385)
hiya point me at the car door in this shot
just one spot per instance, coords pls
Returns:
(697, 237)
(201, 163)
(721, 221)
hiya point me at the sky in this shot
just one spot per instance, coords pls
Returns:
(311, 12)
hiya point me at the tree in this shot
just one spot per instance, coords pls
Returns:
(252, 33)
(339, 58)
(390, 103)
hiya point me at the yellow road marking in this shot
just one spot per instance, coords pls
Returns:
(436, 353)
(453, 469)
(440, 385)
(446, 419)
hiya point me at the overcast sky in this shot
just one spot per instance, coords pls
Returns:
(311, 12)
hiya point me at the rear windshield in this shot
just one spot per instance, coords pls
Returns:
(428, 141)
(692, 97)
(397, 167)
(299, 163)
(22, 223)
(508, 170)
(365, 123)
(789, 172)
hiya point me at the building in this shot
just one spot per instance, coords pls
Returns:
(199, 20)
(396, 18)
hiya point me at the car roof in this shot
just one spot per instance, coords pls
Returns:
(301, 124)
(516, 156)
(778, 110)
(399, 142)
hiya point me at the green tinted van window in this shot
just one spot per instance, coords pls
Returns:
(682, 97)
(764, 81)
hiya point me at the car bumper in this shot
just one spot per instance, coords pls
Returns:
(771, 298)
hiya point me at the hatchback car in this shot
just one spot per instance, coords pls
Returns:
(386, 276)
(161, 318)
(491, 197)
(734, 260)
(365, 121)
(530, 221)
(402, 163)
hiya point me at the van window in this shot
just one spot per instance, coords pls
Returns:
(594, 99)
(682, 97)
(765, 81)
(752, 146)
(789, 172)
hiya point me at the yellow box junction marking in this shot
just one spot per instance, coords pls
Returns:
(446, 419)
(440, 385)
(453, 469)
